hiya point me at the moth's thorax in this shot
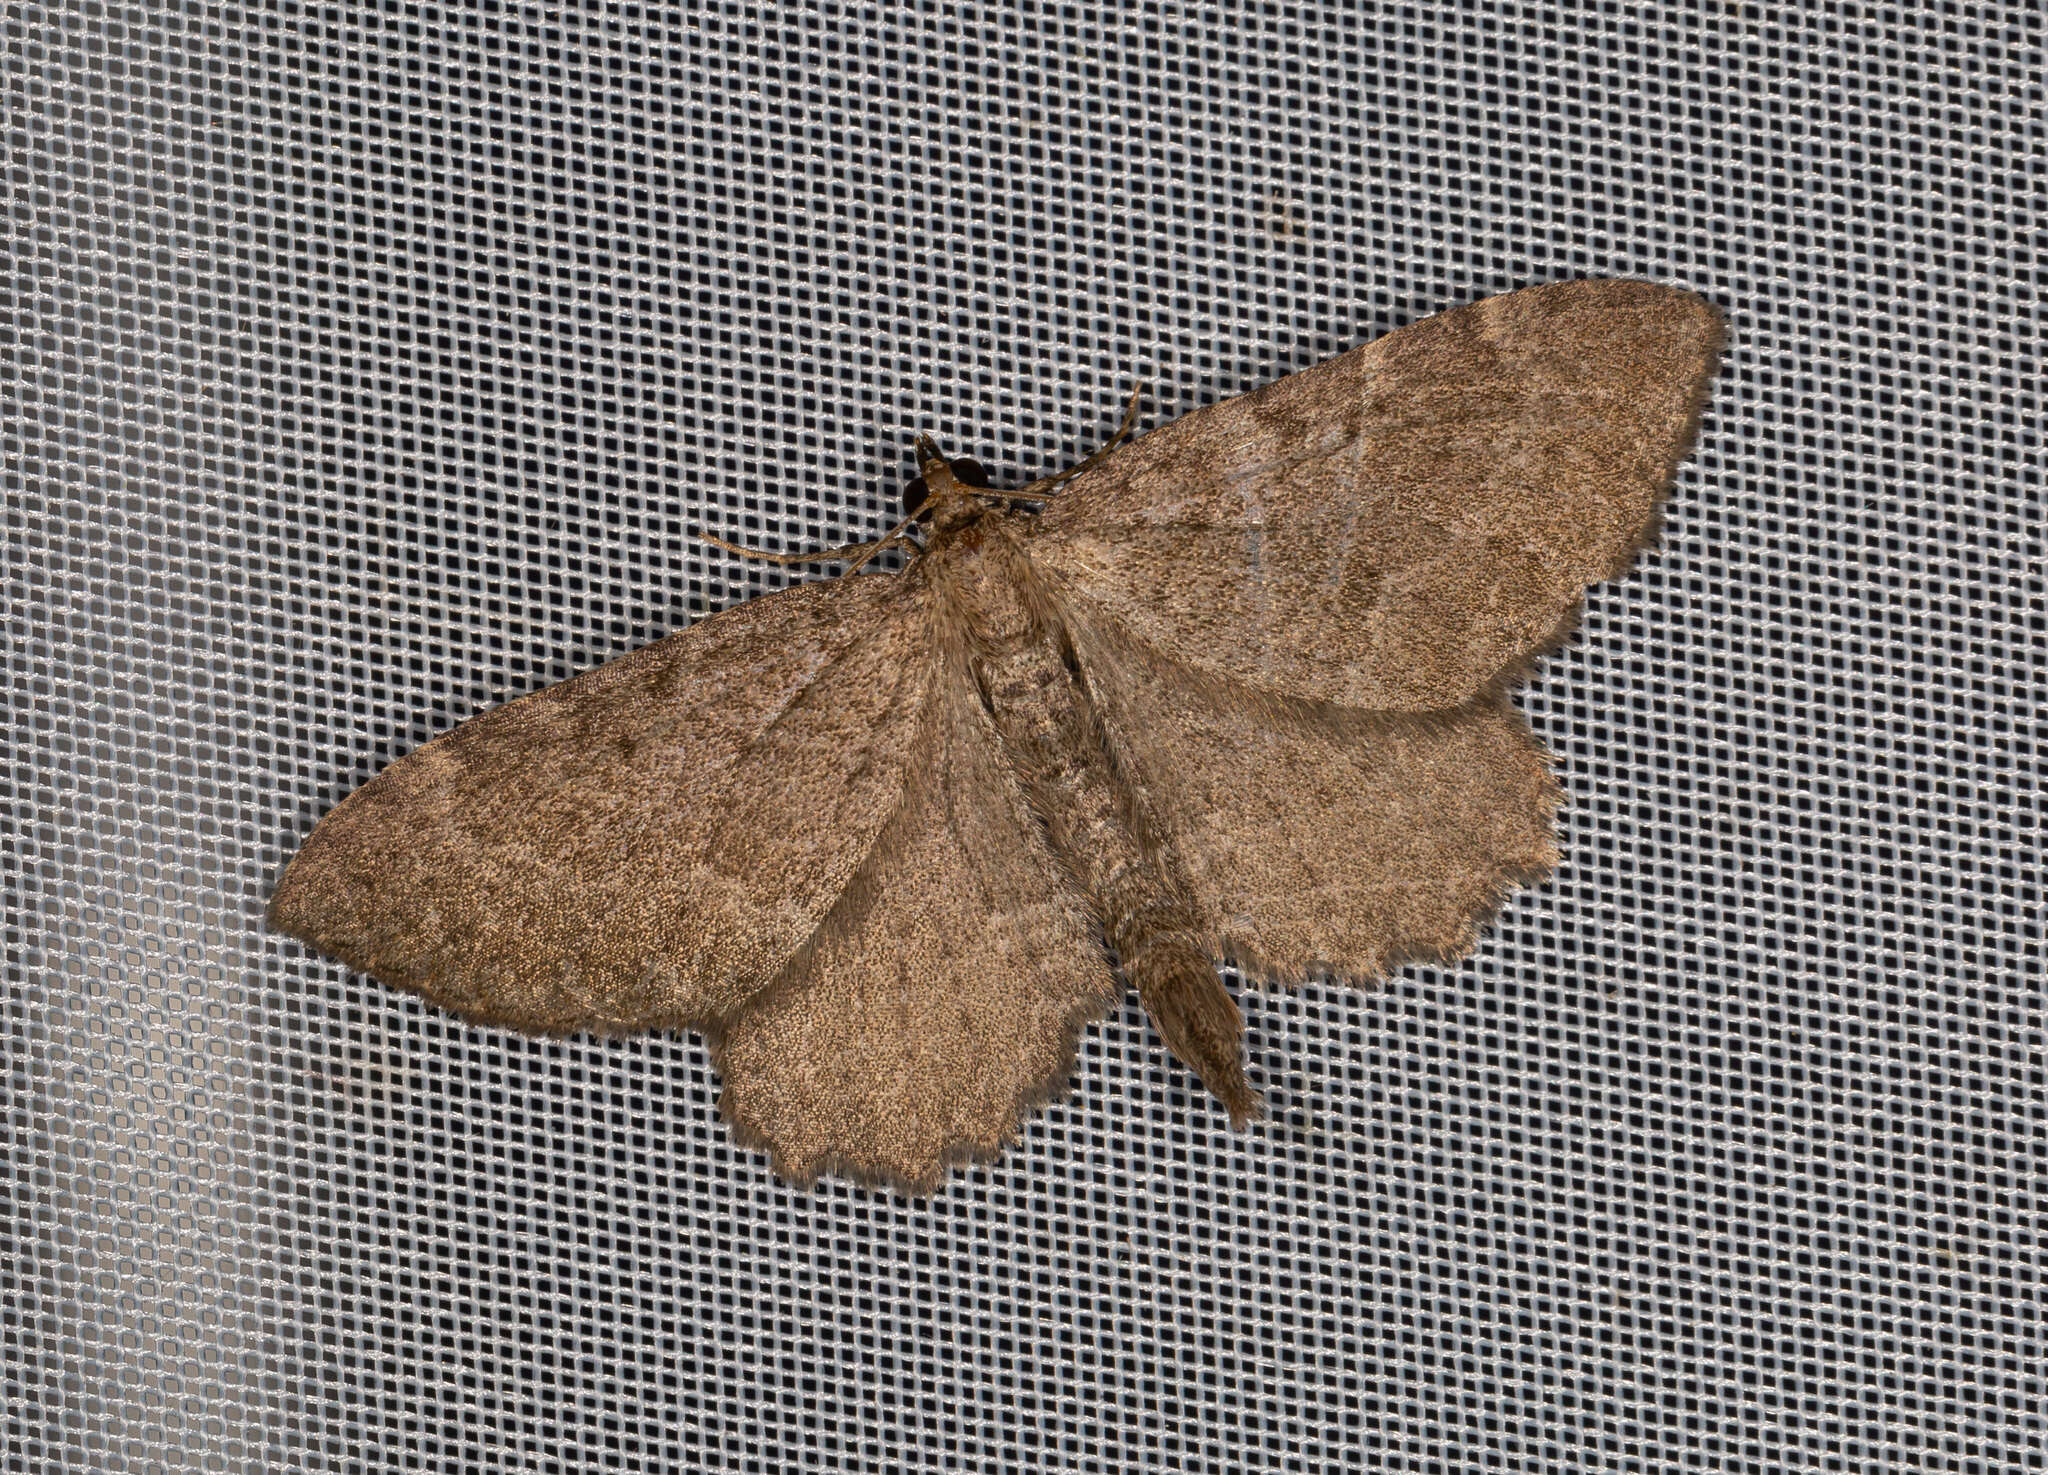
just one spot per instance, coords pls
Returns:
(979, 567)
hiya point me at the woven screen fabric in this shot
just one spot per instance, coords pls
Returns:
(367, 365)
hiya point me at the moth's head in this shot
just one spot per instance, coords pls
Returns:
(942, 488)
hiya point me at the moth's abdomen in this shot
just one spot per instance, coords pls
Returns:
(1054, 738)
(1195, 1016)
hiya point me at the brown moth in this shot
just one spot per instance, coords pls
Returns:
(1237, 691)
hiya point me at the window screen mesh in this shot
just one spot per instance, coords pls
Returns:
(368, 365)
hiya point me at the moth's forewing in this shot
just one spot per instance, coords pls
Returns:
(644, 845)
(1396, 528)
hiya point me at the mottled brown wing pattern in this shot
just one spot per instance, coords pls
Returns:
(1318, 841)
(642, 846)
(1395, 528)
(940, 998)
(797, 827)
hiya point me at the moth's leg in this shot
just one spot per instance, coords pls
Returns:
(895, 535)
(1036, 491)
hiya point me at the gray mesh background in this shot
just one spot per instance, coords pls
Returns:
(366, 365)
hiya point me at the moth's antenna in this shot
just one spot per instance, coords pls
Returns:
(823, 555)
(865, 551)
(1034, 491)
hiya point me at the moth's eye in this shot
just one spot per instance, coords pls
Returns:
(967, 471)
